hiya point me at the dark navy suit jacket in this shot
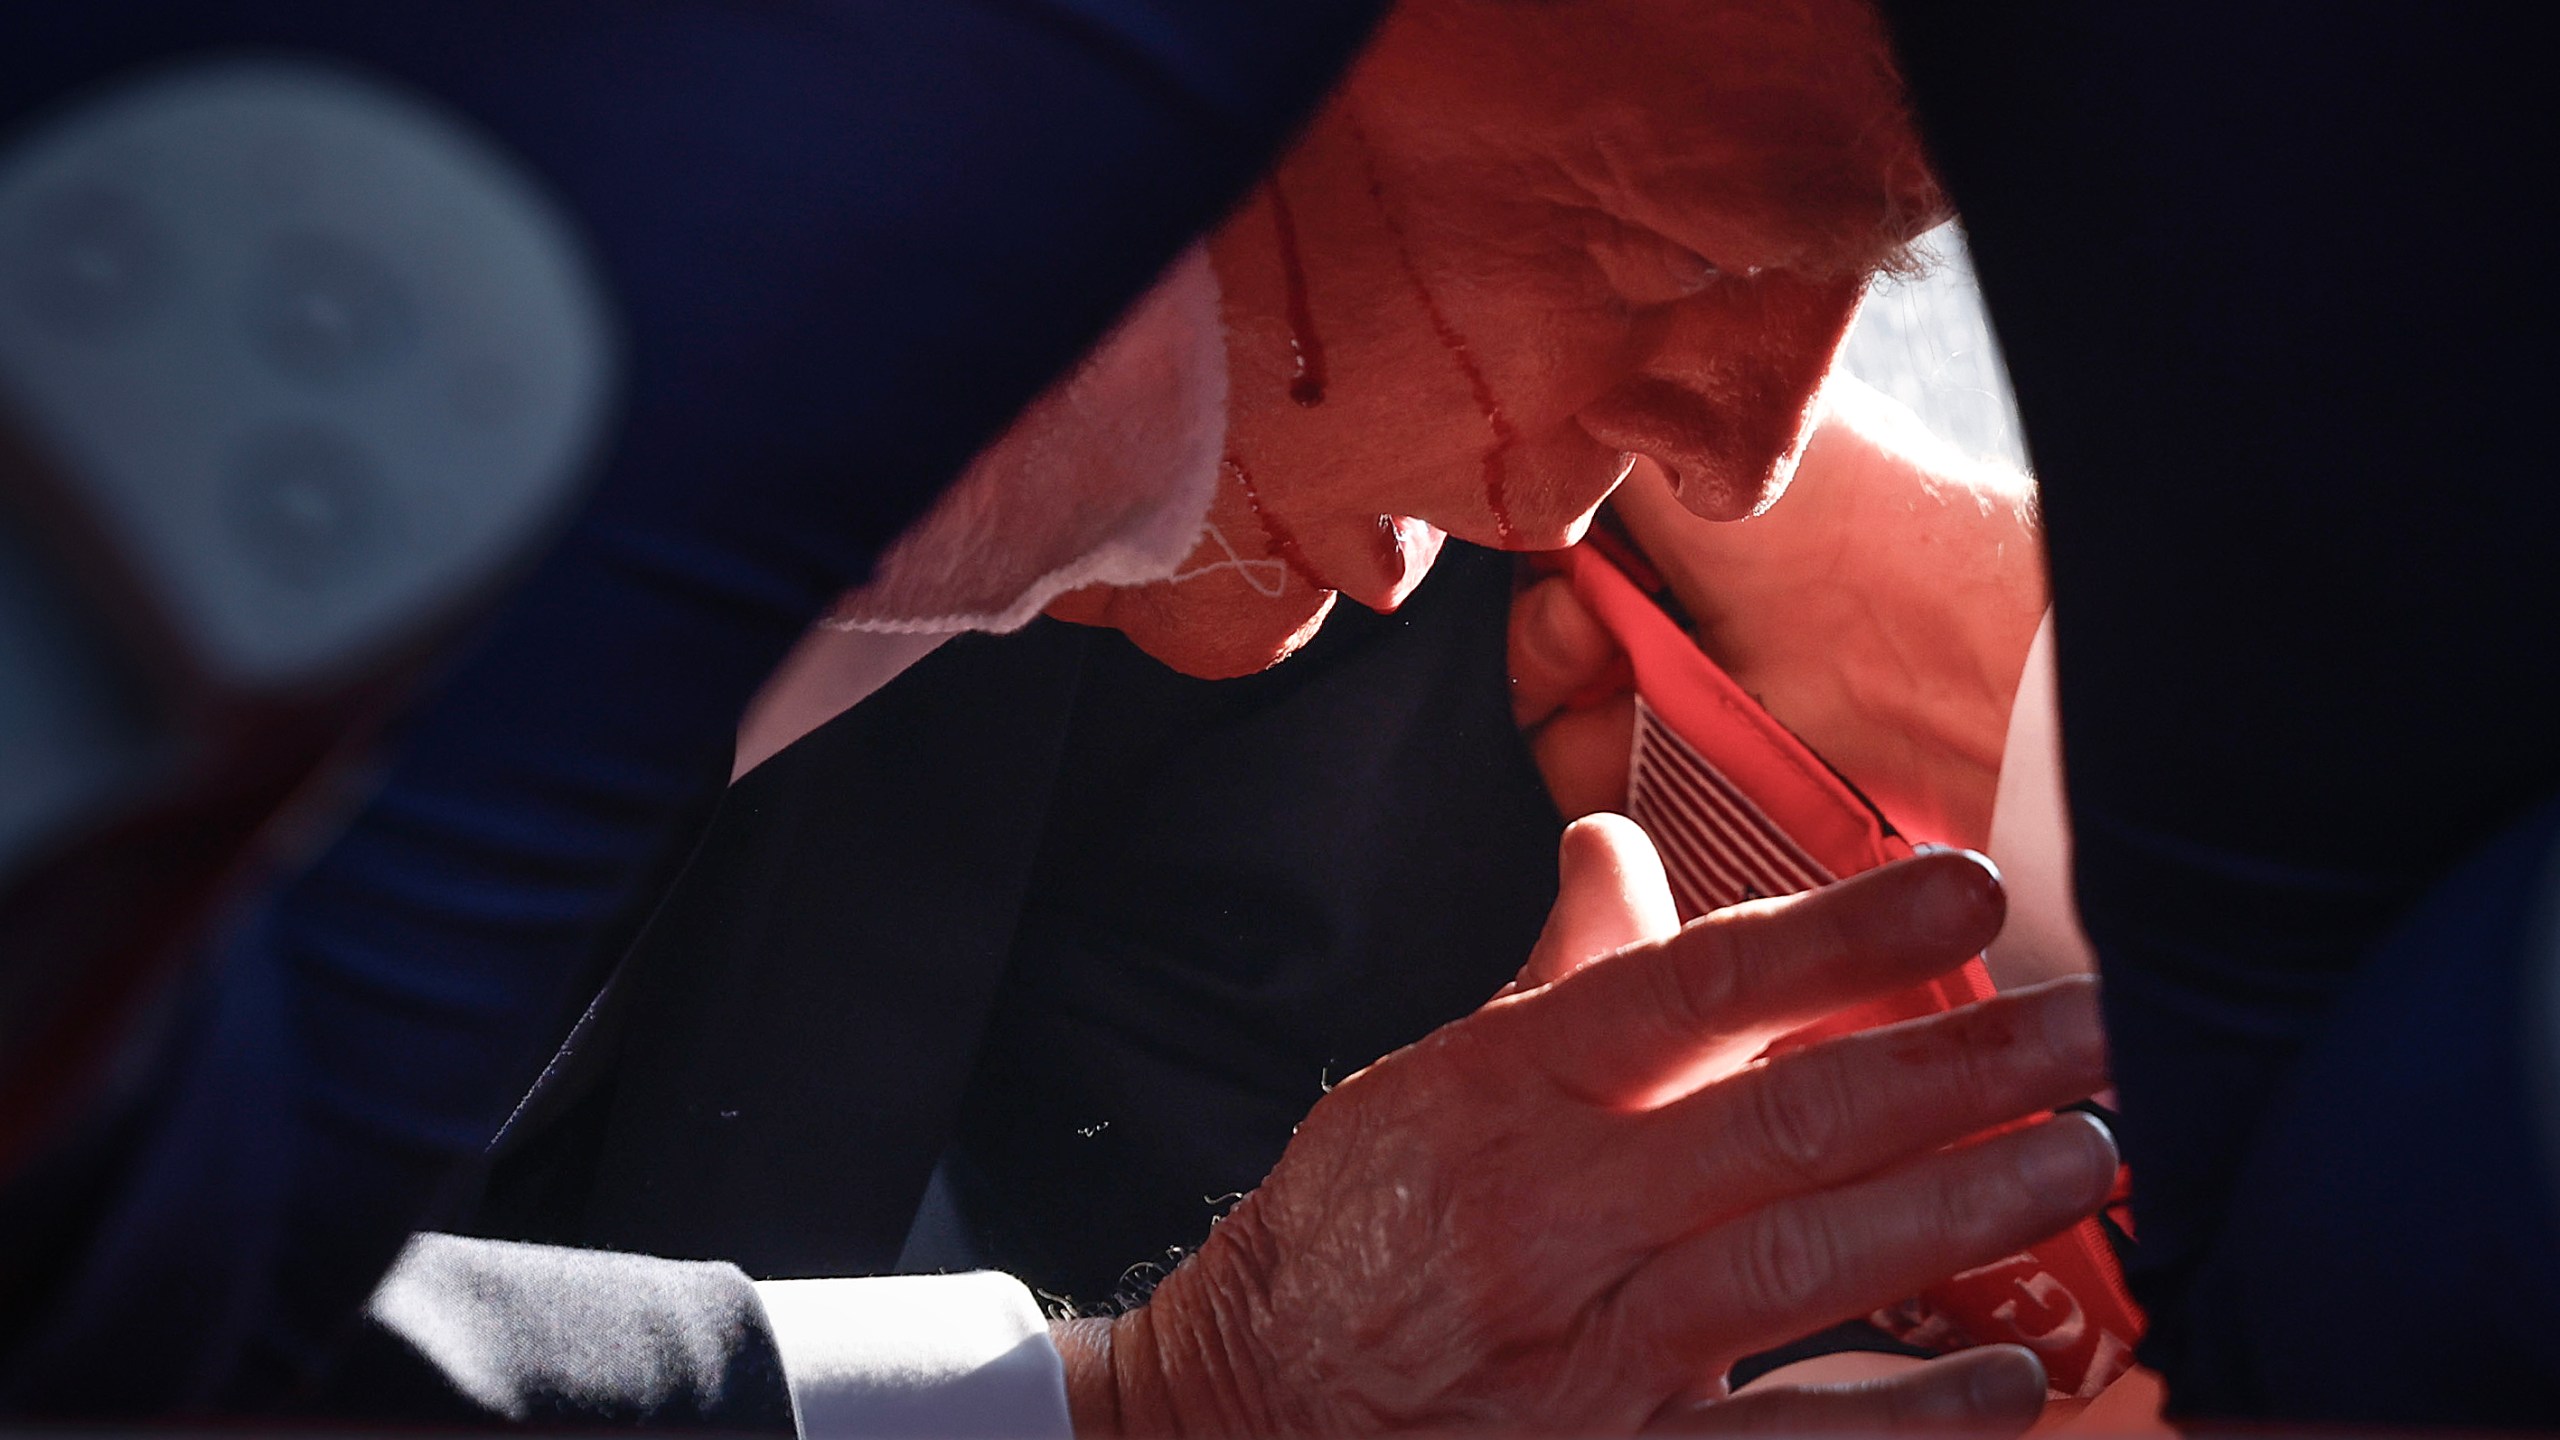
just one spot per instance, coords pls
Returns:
(2271, 294)
(1084, 935)
(1092, 935)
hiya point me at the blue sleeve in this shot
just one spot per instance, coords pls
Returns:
(848, 240)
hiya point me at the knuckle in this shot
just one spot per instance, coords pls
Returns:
(1704, 981)
(1973, 1207)
(1976, 1074)
(1787, 1259)
(1671, 996)
(1798, 1114)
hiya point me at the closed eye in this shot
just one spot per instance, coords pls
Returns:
(1644, 268)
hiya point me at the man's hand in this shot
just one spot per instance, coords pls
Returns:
(1575, 1208)
(1881, 609)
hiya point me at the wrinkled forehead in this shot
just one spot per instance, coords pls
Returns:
(1760, 133)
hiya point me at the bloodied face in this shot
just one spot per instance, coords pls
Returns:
(1524, 242)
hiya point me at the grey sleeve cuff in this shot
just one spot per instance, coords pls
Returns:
(465, 1333)
(926, 1357)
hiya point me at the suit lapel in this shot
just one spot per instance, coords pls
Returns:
(781, 1057)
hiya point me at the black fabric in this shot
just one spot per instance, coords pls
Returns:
(1248, 888)
(481, 1333)
(2270, 288)
(1849, 1335)
(770, 1075)
(1136, 920)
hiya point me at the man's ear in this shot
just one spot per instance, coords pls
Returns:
(1728, 401)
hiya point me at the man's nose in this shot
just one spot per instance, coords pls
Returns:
(1725, 401)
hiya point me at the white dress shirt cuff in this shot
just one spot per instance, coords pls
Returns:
(925, 1357)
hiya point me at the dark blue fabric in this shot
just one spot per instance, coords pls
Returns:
(847, 241)
(2270, 288)
(2392, 1251)
(468, 1334)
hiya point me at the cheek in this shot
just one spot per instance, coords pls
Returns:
(1451, 365)
(1553, 350)
(1725, 402)
(1478, 437)
(1556, 483)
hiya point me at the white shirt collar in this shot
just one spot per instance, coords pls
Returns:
(1105, 479)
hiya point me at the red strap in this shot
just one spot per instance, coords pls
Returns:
(1815, 807)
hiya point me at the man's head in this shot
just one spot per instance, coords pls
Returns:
(1526, 239)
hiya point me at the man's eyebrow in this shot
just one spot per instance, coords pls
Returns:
(1887, 242)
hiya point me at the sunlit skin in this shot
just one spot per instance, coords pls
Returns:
(1882, 610)
(1571, 1211)
(1534, 239)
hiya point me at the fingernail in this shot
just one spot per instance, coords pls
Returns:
(1959, 905)
(2068, 1163)
(2073, 1032)
(1932, 847)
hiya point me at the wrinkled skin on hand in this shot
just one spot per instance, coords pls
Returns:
(1574, 1209)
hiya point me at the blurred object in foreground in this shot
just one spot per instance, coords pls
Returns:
(294, 367)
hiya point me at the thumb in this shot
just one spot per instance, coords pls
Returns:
(1556, 649)
(1610, 894)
